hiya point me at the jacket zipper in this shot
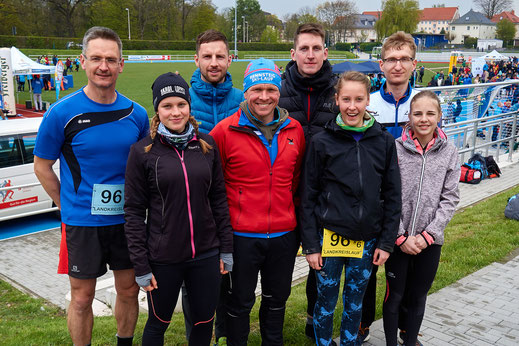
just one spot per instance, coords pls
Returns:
(308, 111)
(186, 179)
(419, 194)
(360, 179)
(215, 115)
(239, 206)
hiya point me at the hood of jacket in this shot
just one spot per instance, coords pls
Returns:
(409, 144)
(205, 90)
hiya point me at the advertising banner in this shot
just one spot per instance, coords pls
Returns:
(7, 100)
(58, 77)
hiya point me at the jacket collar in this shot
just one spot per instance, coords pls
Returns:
(375, 130)
(205, 90)
(409, 143)
(388, 97)
(319, 81)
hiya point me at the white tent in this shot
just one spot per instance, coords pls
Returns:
(22, 64)
(494, 55)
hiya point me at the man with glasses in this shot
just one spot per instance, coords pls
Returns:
(390, 107)
(91, 131)
(391, 103)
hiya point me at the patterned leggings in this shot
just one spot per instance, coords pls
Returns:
(356, 277)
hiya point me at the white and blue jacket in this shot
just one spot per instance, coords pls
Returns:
(391, 113)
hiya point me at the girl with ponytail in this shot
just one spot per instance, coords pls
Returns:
(177, 218)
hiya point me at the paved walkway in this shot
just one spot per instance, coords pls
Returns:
(480, 309)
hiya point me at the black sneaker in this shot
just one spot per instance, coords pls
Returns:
(402, 336)
(363, 335)
(309, 331)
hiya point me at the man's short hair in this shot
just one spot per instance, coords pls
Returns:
(211, 35)
(397, 41)
(309, 28)
(104, 33)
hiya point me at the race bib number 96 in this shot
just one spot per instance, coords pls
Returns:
(107, 199)
(335, 245)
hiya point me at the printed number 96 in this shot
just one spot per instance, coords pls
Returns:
(106, 196)
(336, 238)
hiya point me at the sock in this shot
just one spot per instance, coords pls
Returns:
(124, 341)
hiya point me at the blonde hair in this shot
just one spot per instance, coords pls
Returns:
(353, 76)
(154, 126)
(397, 41)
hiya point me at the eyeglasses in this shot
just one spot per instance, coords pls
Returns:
(403, 61)
(112, 62)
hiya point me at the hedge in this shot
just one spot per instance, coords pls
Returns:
(342, 46)
(368, 46)
(39, 42)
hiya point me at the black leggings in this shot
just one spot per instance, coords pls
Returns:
(202, 279)
(410, 276)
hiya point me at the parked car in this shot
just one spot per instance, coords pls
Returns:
(21, 194)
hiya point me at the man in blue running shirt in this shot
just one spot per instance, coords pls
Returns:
(90, 131)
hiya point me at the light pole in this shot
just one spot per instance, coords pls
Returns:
(235, 25)
(243, 28)
(129, 32)
(247, 36)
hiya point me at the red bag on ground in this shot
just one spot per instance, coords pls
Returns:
(470, 175)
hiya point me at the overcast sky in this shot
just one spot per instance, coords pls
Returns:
(282, 7)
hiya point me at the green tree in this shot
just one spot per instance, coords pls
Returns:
(69, 15)
(470, 42)
(203, 17)
(270, 34)
(254, 15)
(397, 15)
(505, 30)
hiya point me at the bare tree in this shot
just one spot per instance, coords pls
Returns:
(67, 8)
(492, 7)
(337, 16)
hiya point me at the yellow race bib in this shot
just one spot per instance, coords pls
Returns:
(335, 245)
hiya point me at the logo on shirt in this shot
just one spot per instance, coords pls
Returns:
(83, 121)
(192, 147)
(290, 141)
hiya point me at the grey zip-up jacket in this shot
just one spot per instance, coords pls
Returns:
(429, 185)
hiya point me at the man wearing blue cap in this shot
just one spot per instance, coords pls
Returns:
(262, 149)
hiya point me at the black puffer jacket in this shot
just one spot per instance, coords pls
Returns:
(350, 187)
(318, 91)
(156, 183)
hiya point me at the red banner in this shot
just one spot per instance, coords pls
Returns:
(19, 202)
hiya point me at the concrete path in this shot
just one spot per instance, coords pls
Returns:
(480, 309)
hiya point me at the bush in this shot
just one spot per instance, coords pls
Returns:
(470, 42)
(342, 46)
(368, 46)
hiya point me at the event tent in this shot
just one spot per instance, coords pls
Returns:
(494, 55)
(22, 64)
(364, 67)
(371, 66)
